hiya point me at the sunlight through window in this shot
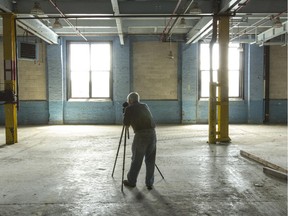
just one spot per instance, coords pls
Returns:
(90, 69)
(233, 69)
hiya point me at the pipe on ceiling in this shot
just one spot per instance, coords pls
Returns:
(67, 21)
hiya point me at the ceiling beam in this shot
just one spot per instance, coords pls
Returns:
(203, 27)
(33, 26)
(6, 5)
(272, 33)
(115, 7)
(39, 29)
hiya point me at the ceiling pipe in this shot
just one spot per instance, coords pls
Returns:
(67, 21)
(109, 16)
(170, 32)
(174, 12)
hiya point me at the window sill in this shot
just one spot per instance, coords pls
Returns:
(89, 100)
(230, 99)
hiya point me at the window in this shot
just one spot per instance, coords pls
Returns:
(89, 69)
(234, 69)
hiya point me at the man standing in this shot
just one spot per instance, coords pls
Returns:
(140, 118)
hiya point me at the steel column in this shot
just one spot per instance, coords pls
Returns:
(223, 89)
(9, 47)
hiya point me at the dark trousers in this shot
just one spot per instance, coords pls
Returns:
(144, 145)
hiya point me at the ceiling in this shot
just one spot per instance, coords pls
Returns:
(251, 21)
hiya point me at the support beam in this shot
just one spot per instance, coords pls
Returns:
(272, 33)
(6, 5)
(202, 28)
(115, 7)
(38, 28)
(9, 47)
(223, 97)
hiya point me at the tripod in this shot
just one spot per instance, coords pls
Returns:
(125, 131)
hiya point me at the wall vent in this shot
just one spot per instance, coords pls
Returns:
(27, 51)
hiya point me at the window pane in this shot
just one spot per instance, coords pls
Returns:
(233, 68)
(100, 56)
(79, 84)
(234, 83)
(90, 68)
(205, 81)
(205, 57)
(234, 59)
(79, 57)
(100, 84)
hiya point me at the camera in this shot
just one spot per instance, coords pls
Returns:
(124, 105)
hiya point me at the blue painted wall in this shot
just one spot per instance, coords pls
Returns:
(187, 110)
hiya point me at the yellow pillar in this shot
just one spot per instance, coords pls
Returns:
(212, 113)
(223, 97)
(9, 47)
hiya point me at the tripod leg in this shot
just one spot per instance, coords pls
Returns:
(118, 150)
(159, 171)
(125, 139)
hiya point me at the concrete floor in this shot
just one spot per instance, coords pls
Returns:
(66, 170)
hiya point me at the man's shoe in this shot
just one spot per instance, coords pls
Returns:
(149, 187)
(128, 184)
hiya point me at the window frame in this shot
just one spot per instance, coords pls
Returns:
(69, 81)
(241, 75)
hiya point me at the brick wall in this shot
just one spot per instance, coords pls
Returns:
(32, 75)
(278, 72)
(154, 73)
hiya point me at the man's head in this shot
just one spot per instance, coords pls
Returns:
(133, 97)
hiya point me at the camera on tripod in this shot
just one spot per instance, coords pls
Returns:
(124, 105)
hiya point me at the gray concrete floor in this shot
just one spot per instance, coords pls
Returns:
(66, 170)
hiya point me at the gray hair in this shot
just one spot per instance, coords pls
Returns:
(133, 97)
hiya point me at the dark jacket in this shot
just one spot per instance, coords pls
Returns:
(138, 116)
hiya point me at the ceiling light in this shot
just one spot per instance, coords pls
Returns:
(57, 24)
(195, 9)
(182, 22)
(36, 10)
(277, 23)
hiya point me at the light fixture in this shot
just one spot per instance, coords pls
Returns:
(170, 55)
(182, 22)
(195, 9)
(57, 24)
(36, 10)
(276, 22)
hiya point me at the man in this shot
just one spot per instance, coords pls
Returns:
(140, 118)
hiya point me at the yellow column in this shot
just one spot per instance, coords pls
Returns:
(9, 46)
(223, 97)
(212, 113)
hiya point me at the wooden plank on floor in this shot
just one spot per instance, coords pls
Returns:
(262, 161)
(275, 173)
